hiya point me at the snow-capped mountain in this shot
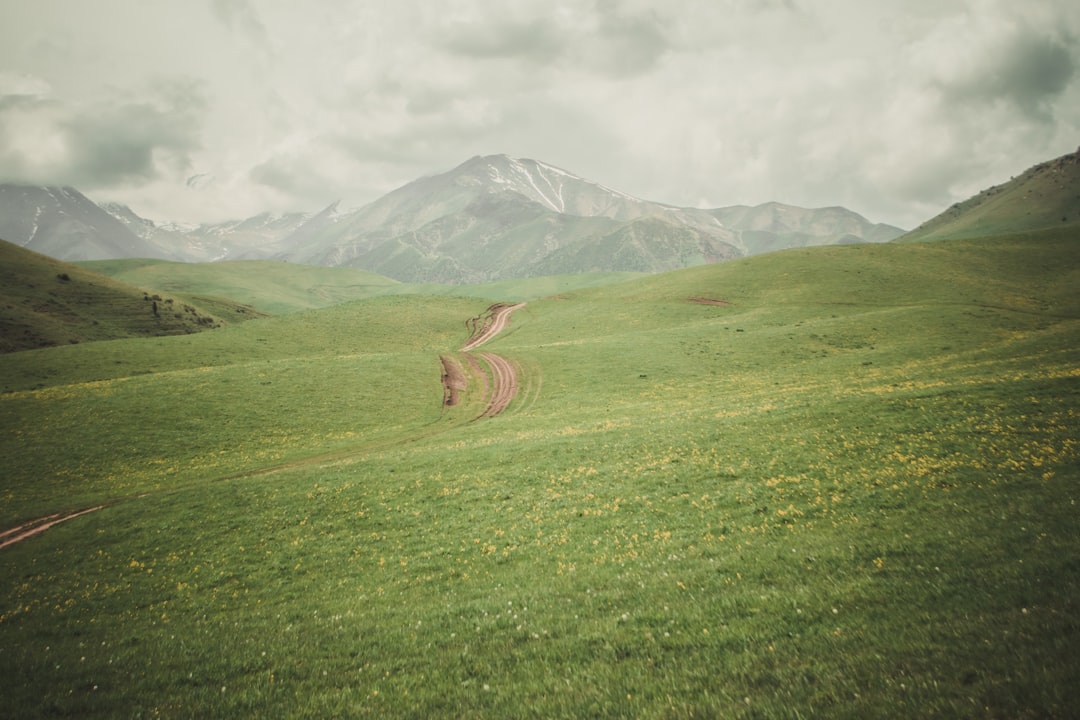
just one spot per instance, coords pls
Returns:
(492, 217)
(497, 217)
(63, 223)
(253, 238)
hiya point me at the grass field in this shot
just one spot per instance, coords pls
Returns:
(850, 490)
(279, 287)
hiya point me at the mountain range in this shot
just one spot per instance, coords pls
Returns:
(491, 218)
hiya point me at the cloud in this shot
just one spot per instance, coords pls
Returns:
(1022, 67)
(894, 109)
(624, 43)
(241, 16)
(118, 140)
(605, 38)
(535, 40)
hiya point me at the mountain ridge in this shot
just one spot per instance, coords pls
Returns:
(491, 218)
(494, 217)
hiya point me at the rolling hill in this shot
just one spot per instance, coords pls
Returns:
(839, 487)
(821, 482)
(278, 287)
(272, 286)
(45, 302)
(1045, 196)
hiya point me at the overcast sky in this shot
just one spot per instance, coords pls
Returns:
(214, 109)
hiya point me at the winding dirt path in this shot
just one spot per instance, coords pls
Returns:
(500, 391)
(504, 379)
(488, 325)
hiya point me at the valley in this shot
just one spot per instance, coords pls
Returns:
(826, 481)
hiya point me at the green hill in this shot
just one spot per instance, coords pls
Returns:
(278, 287)
(828, 482)
(1045, 196)
(275, 287)
(45, 302)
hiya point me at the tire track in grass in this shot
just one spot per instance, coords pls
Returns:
(504, 374)
(488, 325)
(501, 390)
(36, 527)
(504, 384)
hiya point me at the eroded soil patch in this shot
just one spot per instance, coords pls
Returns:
(453, 380)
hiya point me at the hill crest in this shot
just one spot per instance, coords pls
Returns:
(47, 302)
(1046, 195)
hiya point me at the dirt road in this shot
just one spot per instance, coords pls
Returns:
(488, 325)
(36, 527)
(504, 380)
(504, 384)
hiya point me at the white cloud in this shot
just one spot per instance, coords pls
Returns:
(895, 109)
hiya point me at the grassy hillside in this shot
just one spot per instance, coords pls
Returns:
(46, 302)
(275, 287)
(278, 287)
(847, 487)
(1045, 196)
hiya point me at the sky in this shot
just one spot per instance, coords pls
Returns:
(207, 110)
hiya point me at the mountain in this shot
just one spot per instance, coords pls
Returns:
(253, 238)
(63, 223)
(1047, 195)
(491, 218)
(775, 226)
(496, 217)
(45, 301)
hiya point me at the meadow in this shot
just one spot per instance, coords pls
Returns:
(848, 488)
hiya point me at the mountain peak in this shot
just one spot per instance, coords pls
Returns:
(551, 187)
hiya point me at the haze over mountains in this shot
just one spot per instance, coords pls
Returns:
(491, 218)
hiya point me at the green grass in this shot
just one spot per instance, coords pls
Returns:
(279, 288)
(849, 493)
(274, 287)
(45, 302)
(1046, 196)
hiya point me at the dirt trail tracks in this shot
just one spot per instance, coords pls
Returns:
(488, 325)
(36, 527)
(499, 391)
(503, 386)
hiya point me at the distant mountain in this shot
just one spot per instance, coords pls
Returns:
(1047, 195)
(63, 223)
(497, 217)
(491, 218)
(45, 302)
(254, 238)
